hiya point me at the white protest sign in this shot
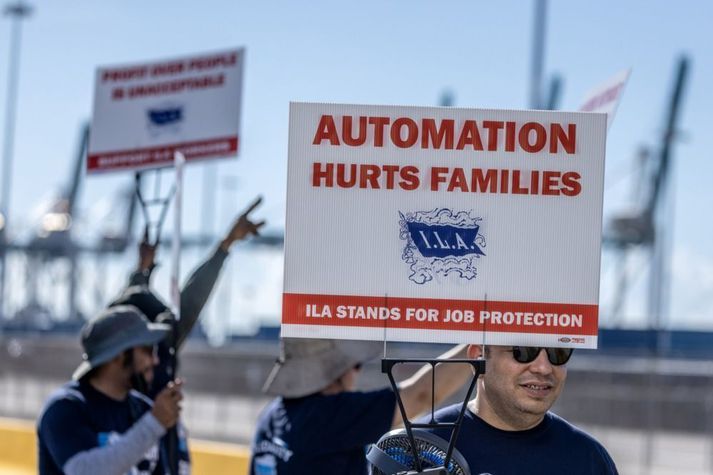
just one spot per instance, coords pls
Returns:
(145, 112)
(443, 225)
(606, 96)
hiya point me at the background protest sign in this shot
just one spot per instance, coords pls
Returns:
(606, 96)
(443, 225)
(145, 112)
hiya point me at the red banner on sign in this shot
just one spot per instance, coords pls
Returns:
(161, 156)
(439, 314)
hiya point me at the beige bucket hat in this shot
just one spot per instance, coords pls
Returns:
(307, 366)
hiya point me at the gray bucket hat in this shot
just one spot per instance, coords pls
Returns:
(113, 331)
(307, 366)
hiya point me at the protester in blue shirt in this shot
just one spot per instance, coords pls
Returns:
(98, 425)
(508, 429)
(319, 424)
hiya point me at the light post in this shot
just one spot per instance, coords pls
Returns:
(17, 12)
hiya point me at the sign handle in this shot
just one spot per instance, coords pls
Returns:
(179, 161)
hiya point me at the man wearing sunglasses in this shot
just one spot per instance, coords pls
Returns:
(508, 429)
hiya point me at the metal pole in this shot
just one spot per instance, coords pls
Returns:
(658, 278)
(172, 436)
(179, 161)
(658, 284)
(210, 173)
(555, 90)
(538, 54)
(17, 11)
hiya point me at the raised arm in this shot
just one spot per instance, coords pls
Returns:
(147, 262)
(197, 289)
(243, 227)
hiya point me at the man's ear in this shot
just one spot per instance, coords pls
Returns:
(474, 351)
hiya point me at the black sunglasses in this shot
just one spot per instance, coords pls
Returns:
(528, 354)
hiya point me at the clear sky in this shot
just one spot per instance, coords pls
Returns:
(376, 52)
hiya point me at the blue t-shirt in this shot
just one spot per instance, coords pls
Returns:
(320, 434)
(78, 418)
(553, 447)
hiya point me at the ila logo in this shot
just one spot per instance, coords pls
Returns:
(166, 117)
(441, 242)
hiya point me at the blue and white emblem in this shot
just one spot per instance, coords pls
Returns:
(441, 241)
(166, 117)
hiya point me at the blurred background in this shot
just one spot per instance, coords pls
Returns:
(69, 242)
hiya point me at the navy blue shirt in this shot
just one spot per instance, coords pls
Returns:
(78, 418)
(553, 447)
(321, 434)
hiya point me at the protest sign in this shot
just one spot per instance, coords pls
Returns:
(145, 112)
(443, 225)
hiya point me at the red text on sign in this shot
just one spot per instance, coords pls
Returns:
(445, 134)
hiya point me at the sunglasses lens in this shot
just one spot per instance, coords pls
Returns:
(528, 354)
(559, 356)
(525, 354)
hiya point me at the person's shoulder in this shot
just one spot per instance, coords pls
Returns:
(68, 392)
(366, 404)
(342, 399)
(272, 406)
(563, 425)
(69, 398)
(575, 435)
(375, 393)
(373, 399)
(578, 440)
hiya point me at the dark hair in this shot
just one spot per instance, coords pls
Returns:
(129, 358)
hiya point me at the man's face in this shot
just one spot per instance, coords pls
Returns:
(145, 358)
(517, 395)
